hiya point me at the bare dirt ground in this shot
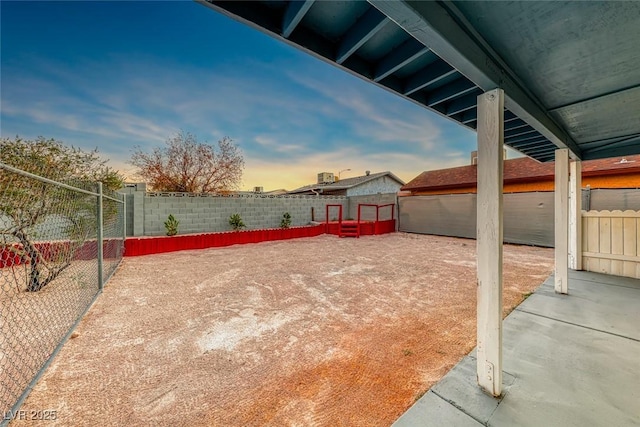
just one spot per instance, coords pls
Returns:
(317, 331)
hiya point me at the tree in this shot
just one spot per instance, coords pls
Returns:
(26, 203)
(186, 165)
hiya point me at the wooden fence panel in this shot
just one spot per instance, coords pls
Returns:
(617, 245)
(610, 242)
(629, 246)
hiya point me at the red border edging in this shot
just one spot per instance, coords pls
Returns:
(136, 246)
(10, 256)
(367, 228)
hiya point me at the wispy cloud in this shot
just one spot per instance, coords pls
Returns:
(377, 115)
(292, 119)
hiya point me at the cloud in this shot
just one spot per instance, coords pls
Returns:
(82, 110)
(272, 143)
(290, 124)
(378, 115)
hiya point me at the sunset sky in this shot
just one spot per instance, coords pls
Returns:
(113, 75)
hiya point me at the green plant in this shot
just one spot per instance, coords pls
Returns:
(171, 224)
(286, 220)
(235, 221)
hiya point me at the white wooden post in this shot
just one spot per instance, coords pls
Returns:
(575, 215)
(489, 240)
(562, 221)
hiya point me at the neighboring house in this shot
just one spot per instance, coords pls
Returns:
(260, 190)
(526, 175)
(369, 183)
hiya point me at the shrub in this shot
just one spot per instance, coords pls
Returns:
(171, 224)
(286, 220)
(235, 221)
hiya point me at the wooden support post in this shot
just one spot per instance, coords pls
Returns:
(575, 215)
(489, 240)
(562, 221)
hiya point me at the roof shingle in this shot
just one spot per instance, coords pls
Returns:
(522, 169)
(346, 183)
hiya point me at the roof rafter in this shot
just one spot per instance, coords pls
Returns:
(463, 103)
(531, 146)
(519, 132)
(366, 27)
(450, 91)
(529, 143)
(515, 125)
(523, 138)
(469, 116)
(429, 75)
(294, 14)
(406, 53)
(442, 28)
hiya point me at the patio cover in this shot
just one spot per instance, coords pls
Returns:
(570, 71)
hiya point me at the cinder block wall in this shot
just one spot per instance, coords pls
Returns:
(211, 214)
(147, 212)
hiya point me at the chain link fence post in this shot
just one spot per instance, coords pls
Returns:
(100, 238)
(124, 217)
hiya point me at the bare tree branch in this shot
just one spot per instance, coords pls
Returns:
(186, 165)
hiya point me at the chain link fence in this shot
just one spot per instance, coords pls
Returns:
(52, 267)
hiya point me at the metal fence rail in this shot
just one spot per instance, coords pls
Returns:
(58, 244)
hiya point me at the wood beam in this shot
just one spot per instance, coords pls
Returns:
(561, 200)
(444, 29)
(575, 215)
(489, 240)
(366, 27)
(293, 15)
(450, 91)
(406, 53)
(432, 73)
(462, 104)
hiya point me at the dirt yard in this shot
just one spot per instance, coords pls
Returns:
(318, 331)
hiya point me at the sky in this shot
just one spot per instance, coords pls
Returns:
(120, 74)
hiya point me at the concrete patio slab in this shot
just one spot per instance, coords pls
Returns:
(455, 389)
(442, 413)
(568, 361)
(594, 301)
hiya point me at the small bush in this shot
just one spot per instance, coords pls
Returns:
(171, 224)
(286, 220)
(235, 221)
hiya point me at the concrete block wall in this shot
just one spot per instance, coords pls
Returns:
(147, 212)
(210, 214)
